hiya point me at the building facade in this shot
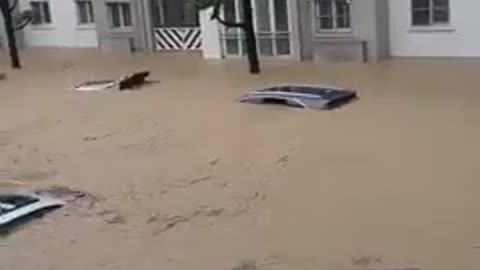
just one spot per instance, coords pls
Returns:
(319, 30)
(57, 24)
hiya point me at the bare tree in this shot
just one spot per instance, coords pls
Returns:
(246, 25)
(12, 24)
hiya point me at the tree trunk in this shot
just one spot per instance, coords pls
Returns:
(10, 31)
(250, 37)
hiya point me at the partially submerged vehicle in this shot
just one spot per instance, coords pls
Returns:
(307, 97)
(15, 207)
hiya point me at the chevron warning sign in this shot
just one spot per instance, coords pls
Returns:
(178, 38)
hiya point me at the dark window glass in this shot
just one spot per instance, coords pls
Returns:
(326, 22)
(441, 16)
(283, 46)
(421, 17)
(46, 12)
(429, 12)
(85, 12)
(120, 15)
(326, 8)
(281, 15)
(127, 14)
(332, 14)
(420, 4)
(40, 12)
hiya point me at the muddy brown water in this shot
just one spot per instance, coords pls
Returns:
(389, 182)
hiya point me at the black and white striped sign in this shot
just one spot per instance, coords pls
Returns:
(178, 38)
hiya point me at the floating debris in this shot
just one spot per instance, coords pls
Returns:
(95, 86)
(214, 162)
(69, 195)
(127, 81)
(246, 265)
(133, 80)
(307, 97)
(185, 183)
(283, 160)
(16, 207)
(112, 217)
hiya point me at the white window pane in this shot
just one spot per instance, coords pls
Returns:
(263, 15)
(229, 11)
(265, 46)
(127, 15)
(232, 47)
(240, 10)
(271, 17)
(281, 15)
(283, 46)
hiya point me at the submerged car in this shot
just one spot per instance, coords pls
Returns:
(308, 97)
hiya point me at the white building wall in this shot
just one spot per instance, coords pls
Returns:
(64, 30)
(211, 43)
(461, 38)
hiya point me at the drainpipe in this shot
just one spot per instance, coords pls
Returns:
(147, 31)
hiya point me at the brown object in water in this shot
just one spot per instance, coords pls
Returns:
(3, 76)
(132, 80)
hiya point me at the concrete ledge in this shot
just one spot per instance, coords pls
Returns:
(118, 45)
(339, 50)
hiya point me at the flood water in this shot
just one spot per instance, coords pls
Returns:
(389, 182)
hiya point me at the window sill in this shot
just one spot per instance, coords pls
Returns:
(42, 27)
(121, 29)
(85, 27)
(334, 33)
(431, 29)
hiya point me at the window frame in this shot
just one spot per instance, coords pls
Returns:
(44, 15)
(431, 14)
(90, 13)
(121, 12)
(316, 14)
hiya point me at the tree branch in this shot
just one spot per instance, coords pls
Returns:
(12, 8)
(22, 19)
(21, 26)
(3, 8)
(216, 16)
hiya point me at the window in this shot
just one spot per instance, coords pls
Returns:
(40, 12)
(271, 23)
(332, 15)
(430, 12)
(174, 13)
(85, 11)
(119, 14)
